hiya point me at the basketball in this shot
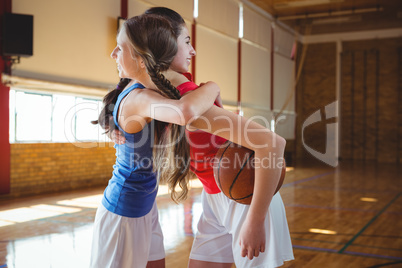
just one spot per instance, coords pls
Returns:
(234, 172)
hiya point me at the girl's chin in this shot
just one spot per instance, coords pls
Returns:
(184, 69)
(181, 69)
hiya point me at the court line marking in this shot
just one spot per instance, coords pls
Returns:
(373, 255)
(374, 247)
(341, 209)
(344, 189)
(348, 253)
(385, 264)
(315, 248)
(339, 243)
(368, 224)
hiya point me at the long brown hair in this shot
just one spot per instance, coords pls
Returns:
(105, 118)
(154, 40)
(175, 19)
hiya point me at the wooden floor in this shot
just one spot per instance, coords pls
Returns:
(349, 216)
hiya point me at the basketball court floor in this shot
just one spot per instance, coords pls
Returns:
(348, 216)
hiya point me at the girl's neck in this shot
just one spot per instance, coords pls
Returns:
(146, 81)
(132, 82)
(174, 77)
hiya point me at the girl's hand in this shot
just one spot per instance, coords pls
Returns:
(252, 238)
(117, 136)
(218, 100)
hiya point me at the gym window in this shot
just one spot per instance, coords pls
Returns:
(42, 117)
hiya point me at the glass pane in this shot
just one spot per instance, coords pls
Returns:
(63, 124)
(85, 112)
(101, 132)
(34, 115)
(12, 116)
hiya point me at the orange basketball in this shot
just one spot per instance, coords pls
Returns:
(234, 172)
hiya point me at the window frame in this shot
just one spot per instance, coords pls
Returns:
(13, 116)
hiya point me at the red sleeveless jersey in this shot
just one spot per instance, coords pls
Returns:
(203, 148)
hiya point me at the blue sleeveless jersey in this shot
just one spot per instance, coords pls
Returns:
(132, 189)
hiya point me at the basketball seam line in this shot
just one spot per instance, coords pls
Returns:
(231, 186)
(219, 166)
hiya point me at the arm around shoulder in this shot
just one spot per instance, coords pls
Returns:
(197, 102)
(148, 103)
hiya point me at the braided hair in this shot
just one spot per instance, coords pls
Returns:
(105, 118)
(153, 39)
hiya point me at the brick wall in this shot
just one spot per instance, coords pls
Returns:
(52, 167)
(315, 89)
(361, 137)
(371, 100)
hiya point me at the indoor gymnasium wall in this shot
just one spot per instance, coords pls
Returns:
(283, 102)
(267, 75)
(315, 89)
(256, 50)
(284, 88)
(217, 31)
(72, 45)
(371, 100)
(72, 41)
(54, 167)
(370, 95)
(183, 7)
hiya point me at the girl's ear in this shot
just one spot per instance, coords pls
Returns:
(142, 63)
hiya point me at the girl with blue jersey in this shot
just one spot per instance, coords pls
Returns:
(126, 228)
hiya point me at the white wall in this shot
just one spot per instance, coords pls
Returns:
(72, 41)
(216, 45)
(259, 84)
(217, 61)
(183, 7)
(284, 101)
(256, 65)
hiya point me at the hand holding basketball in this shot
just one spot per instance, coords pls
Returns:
(234, 172)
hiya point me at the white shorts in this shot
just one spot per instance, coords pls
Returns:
(217, 238)
(126, 242)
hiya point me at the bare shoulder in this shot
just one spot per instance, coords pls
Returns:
(141, 96)
(176, 78)
(134, 102)
(131, 115)
(140, 100)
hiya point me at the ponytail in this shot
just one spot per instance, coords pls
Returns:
(105, 119)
